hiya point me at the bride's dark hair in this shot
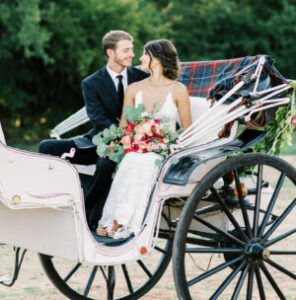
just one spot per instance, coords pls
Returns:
(167, 55)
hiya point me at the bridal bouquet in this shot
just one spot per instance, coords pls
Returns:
(142, 134)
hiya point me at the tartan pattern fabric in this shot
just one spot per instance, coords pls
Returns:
(212, 79)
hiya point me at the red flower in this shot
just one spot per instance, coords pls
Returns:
(128, 129)
(126, 150)
(155, 134)
(153, 128)
(157, 121)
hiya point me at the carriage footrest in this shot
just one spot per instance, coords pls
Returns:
(109, 241)
(179, 173)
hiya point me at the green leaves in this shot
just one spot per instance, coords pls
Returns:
(102, 149)
(133, 114)
(280, 131)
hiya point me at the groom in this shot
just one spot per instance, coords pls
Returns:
(103, 93)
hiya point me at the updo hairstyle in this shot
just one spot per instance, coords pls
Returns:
(167, 55)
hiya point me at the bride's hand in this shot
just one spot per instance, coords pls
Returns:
(111, 148)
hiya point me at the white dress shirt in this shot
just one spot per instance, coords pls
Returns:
(115, 80)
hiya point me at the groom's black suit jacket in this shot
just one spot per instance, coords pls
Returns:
(102, 103)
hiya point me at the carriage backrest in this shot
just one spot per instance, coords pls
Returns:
(206, 78)
(203, 79)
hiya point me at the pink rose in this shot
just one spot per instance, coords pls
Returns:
(139, 137)
(126, 141)
(294, 121)
(146, 128)
(142, 145)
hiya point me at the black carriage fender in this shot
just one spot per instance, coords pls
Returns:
(179, 173)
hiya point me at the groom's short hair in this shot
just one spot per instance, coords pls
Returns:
(112, 37)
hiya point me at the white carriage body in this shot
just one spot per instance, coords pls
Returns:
(42, 204)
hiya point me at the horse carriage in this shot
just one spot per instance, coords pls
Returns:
(225, 216)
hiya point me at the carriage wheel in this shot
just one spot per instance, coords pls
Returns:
(242, 242)
(122, 282)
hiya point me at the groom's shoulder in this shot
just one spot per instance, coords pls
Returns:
(95, 76)
(137, 72)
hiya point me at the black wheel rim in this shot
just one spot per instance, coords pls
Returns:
(252, 245)
(121, 282)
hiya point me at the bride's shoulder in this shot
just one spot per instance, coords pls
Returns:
(179, 88)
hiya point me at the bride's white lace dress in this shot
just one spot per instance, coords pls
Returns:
(133, 181)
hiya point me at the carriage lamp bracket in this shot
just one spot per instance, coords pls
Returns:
(19, 258)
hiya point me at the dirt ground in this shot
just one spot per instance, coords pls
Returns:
(33, 284)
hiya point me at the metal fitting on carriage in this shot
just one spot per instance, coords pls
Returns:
(248, 103)
(16, 199)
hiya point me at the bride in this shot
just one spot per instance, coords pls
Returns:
(127, 201)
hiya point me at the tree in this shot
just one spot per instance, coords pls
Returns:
(48, 47)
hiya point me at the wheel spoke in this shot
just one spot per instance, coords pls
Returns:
(127, 279)
(202, 242)
(279, 220)
(282, 252)
(260, 284)
(215, 270)
(229, 214)
(213, 250)
(69, 275)
(90, 280)
(160, 249)
(111, 282)
(226, 282)
(250, 284)
(271, 203)
(225, 234)
(257, 200)
(144, 268)
(280, 268)
(280, 237)
(240, 283)
(242, 203)
(103, 273)
(272, 282)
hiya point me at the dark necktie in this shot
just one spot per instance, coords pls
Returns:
(120, 88)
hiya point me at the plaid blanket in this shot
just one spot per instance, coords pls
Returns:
(212, 79)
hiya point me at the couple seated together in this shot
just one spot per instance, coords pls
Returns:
(116, 206)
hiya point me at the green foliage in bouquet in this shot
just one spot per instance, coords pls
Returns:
(280, 128)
